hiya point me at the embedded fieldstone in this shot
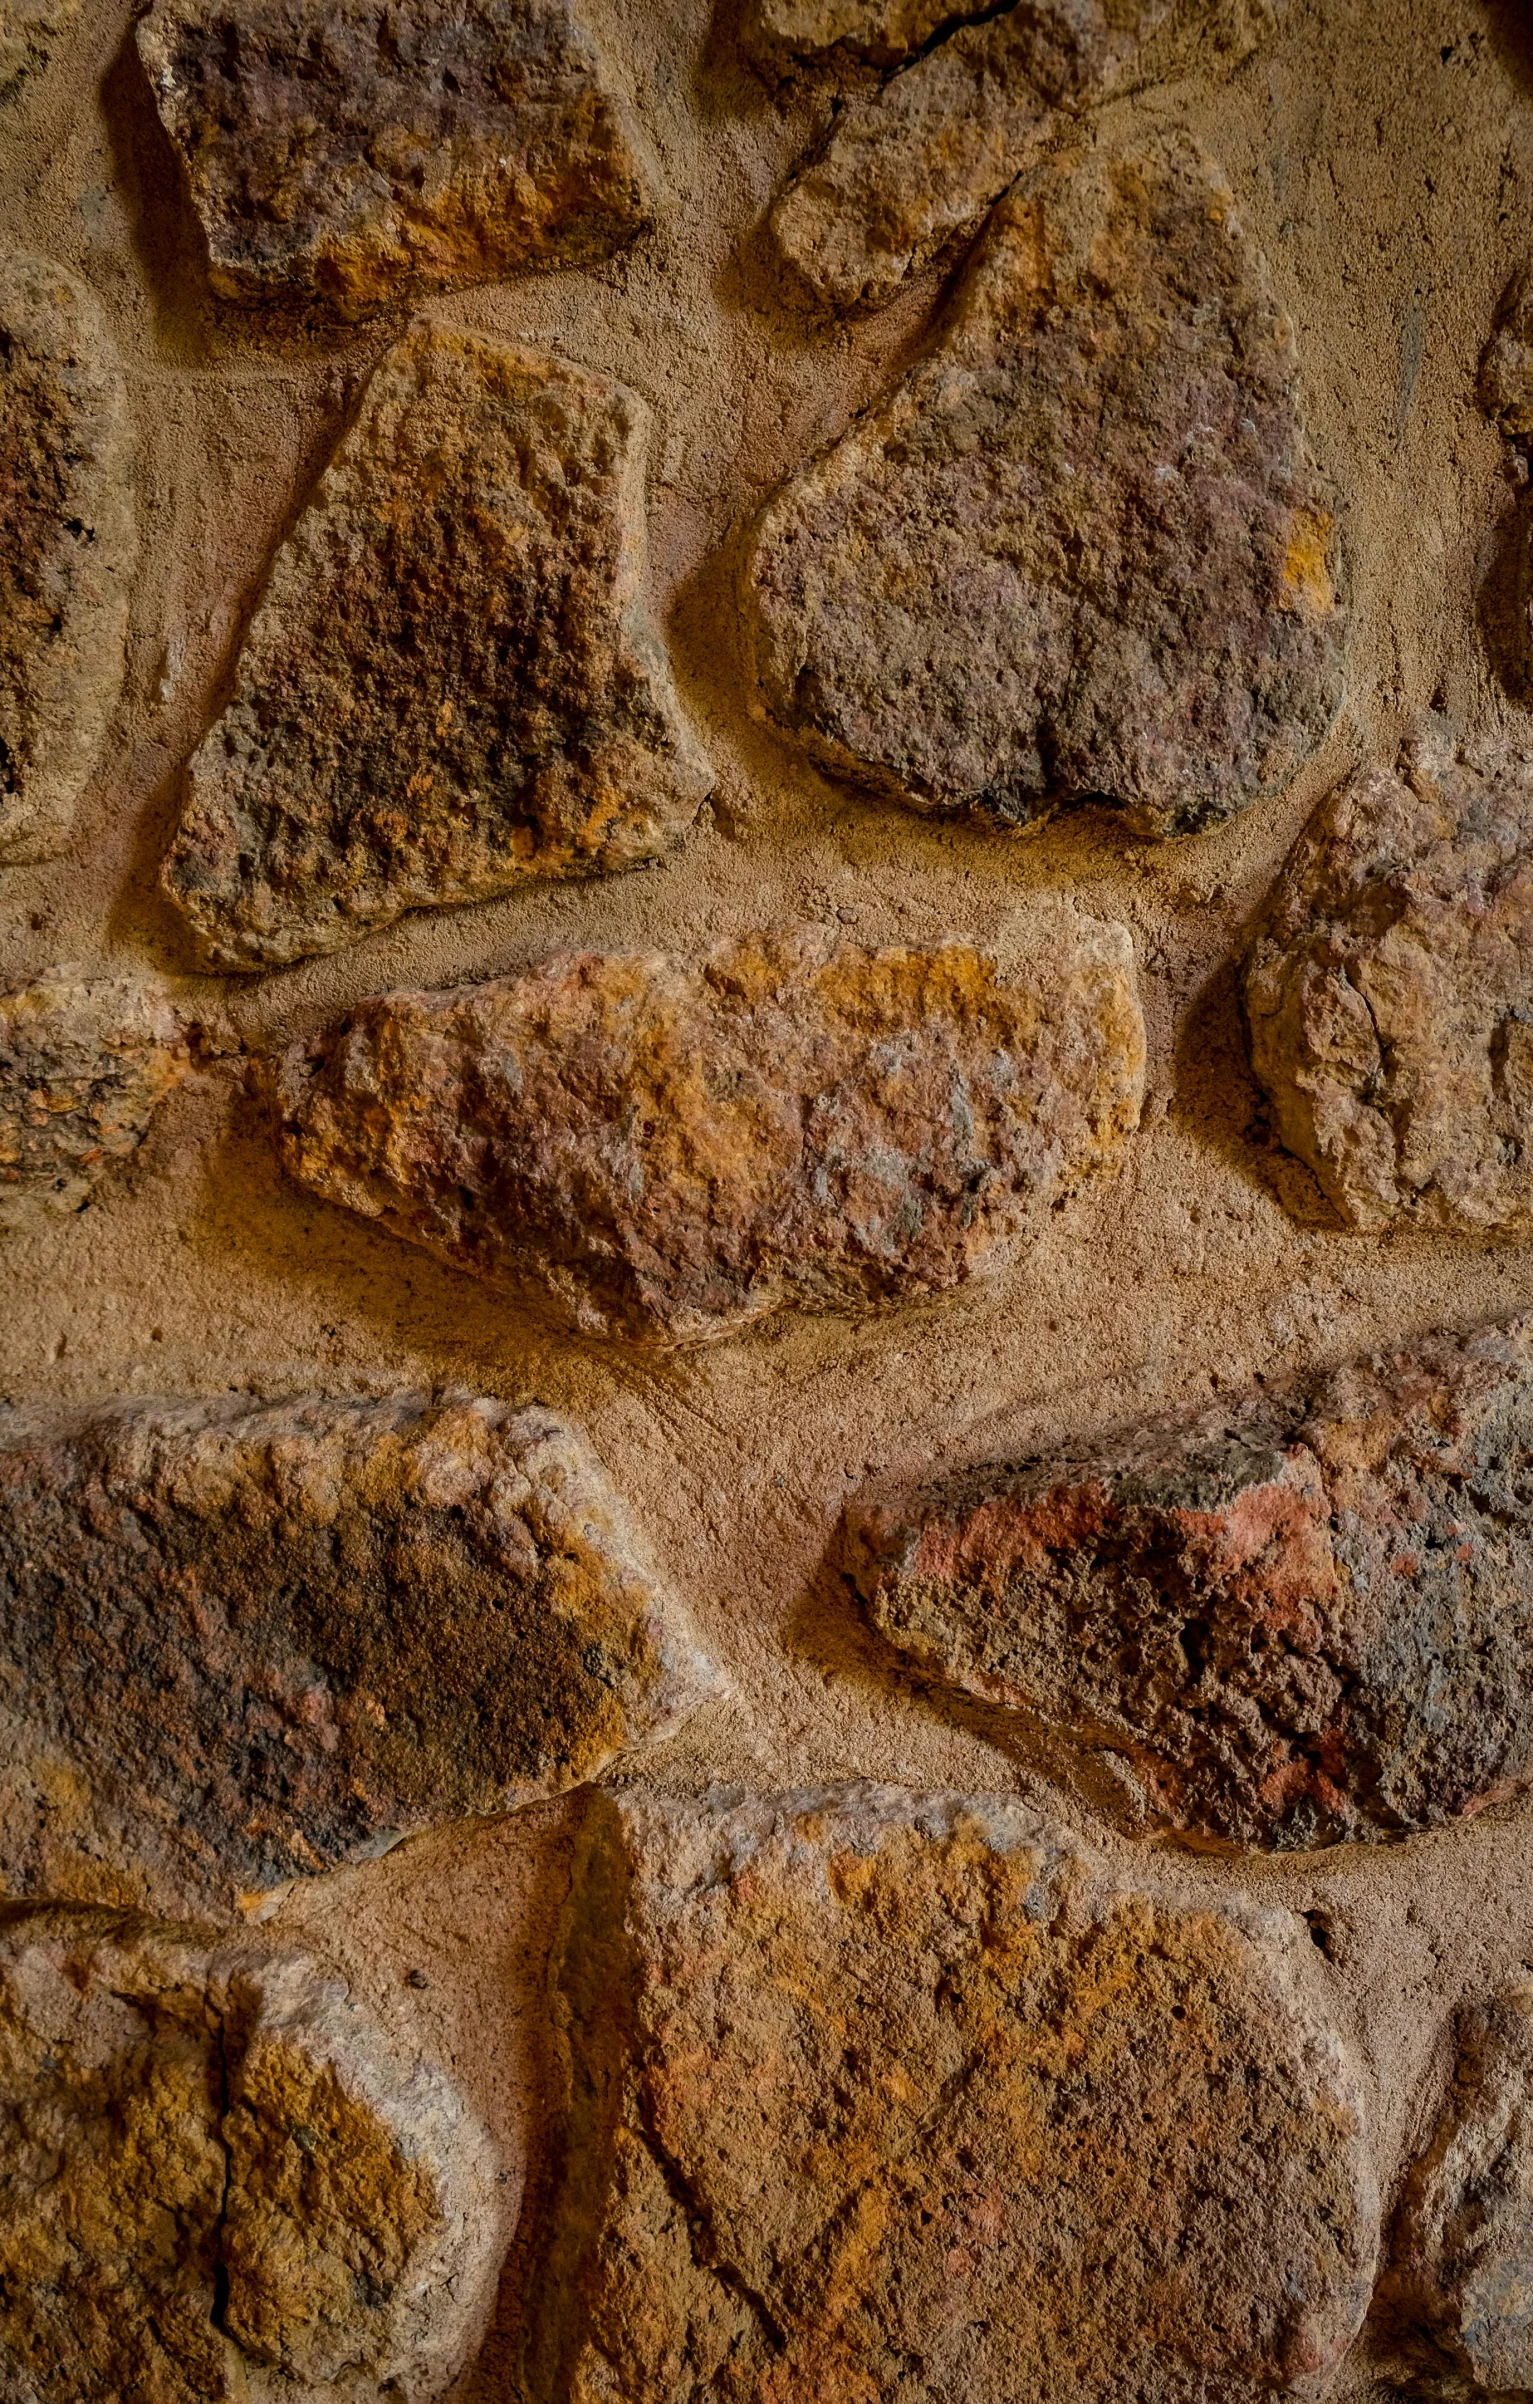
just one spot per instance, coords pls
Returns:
(1506, 371)
(1389, 993)
(83, 1068)
(665, 1149)
(1080, 551)
(29, 33)
(67, 547)
(451, 683)
(1297, 1618)
(790, 36)
(884, 2096)
(347, 164)
(240, 1643)
(217, 2180)
(911, 171)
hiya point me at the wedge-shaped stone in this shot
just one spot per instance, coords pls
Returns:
(218, 2182)
(67, 548)
(30, 31)
(883, 2096)
(340, 162)
(1081, 549)
(1298, 1618)
(665, 1149)
(1389, 993)
(913, 169)
(239, 1643)
(451, 683)
(83, 1068)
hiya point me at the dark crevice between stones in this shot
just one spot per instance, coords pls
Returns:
(700, 2236)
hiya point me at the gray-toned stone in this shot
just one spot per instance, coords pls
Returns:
(83, 1068)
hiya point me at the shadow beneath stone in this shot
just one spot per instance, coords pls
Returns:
(1511, 39)
(167, 241)
(1503, 597)
(1218, 1100)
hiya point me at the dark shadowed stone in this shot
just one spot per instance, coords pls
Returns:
(83, 1068)
(664, 1149)
(1506, 371)
(217, 2181)
(1299, 1618)
(352, 162)
(30, 31)
(886, 2097)
(451, 683)
(240, 1643)
(1081, 548)
(67, 548)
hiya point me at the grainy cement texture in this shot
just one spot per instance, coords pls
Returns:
(1383, 158)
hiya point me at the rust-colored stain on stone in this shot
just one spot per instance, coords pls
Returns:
(878, 2096)
(1299, 1618)
(1081, 550)
(240, 1643)
(83, 1068)
(451, 683)
(345, 161)
(665, 1148)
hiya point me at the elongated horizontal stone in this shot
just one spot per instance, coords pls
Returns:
(876, 2096)
(83, 1068)
(1298, 1618)
(665, 1149)
(218, 2182)
(789, 36)
(67, 548)
(1389, 993)
(337, 169)
(1080, 551)
(240, 1643)
(451, 683)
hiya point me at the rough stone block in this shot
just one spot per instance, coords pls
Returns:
(883, 2097)
(67, 547)
(345, 163)
(1081, 550)
(665, 1149)
(218, 2182)
(1389, 993)
(83, 1068)
(1298, 1618)
(242, 1643)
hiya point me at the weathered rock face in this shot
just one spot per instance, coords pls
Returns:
(451, 683)
(334, 169)
(239, 1644)
(217, 2182)
(83, 1068)
(66, 547)
(1389, 992)
(787, 36)
(29, 33)
(665, 1149)
(881, 2096)
(1300, 1618)
(912, 170)
(1081, 549)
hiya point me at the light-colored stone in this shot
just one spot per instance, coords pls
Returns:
(30, 31)
(243, 1643)
(451, 683)
(67, 548)
(83, 1068)
(665, 1149)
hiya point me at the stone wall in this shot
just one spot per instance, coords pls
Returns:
(766, 1169)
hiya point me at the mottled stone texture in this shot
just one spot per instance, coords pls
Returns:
(217, 2181)
(1389, 993)
(242, 1643)
(664, 1149)
(912, 170)
(1080, 550)
(346, 161)
(83, 1068)
(786, 36)
(885, 2098)
(1299, 1617)
(29, 33)
(451, 683)
(66, 548)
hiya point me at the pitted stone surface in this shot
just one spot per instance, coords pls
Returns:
(788, 36)
(241, 1643)
(29, 34)
(451, 683)
(217, 2181)
(1298, 1618)
(67, 548)
(345, 162)
(83, 1068)
(882, 2096)
(664, 1149)
(1389, 993)
(1080, 550)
